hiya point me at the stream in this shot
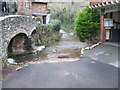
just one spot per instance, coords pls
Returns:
(68, 48)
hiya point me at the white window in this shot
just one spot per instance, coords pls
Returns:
(27, 4)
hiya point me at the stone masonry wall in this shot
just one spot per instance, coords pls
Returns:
(12, 25)
(1, 44)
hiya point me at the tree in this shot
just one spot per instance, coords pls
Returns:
(87, 24)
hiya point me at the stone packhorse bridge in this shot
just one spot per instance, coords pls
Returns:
(15, 34)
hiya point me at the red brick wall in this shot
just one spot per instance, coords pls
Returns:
(22, 7)
(34, 7)
(38, 7)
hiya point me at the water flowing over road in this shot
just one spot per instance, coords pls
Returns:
(60, 66)
(68, 48)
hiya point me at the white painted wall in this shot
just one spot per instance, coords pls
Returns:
(107, 34)
(48, 18)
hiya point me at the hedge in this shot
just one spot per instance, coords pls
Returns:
(87, 24)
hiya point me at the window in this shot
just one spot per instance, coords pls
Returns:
(27, 4)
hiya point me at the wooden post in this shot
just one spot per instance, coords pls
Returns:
(44, 19)
(102, 29)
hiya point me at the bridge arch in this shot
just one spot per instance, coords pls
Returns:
(19, 44)
(33, 30)
(17, 32)
(35, 37)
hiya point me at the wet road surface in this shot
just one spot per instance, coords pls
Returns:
(106, 53)
(77, 74)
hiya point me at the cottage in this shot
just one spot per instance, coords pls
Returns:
(32, 6)
(109, 19)
(29, 7)
(25, 7)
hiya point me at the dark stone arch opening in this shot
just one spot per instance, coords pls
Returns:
(19, 44)
(35, 38)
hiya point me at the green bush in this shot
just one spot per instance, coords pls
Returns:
(68, 26)
(38, 18)
(53, 25)
(65, 15)
(56, 24)
(48, 33)
(87, 24)
(22, 13)
(63, 12)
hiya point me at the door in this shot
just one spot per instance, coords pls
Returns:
(115, 33)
